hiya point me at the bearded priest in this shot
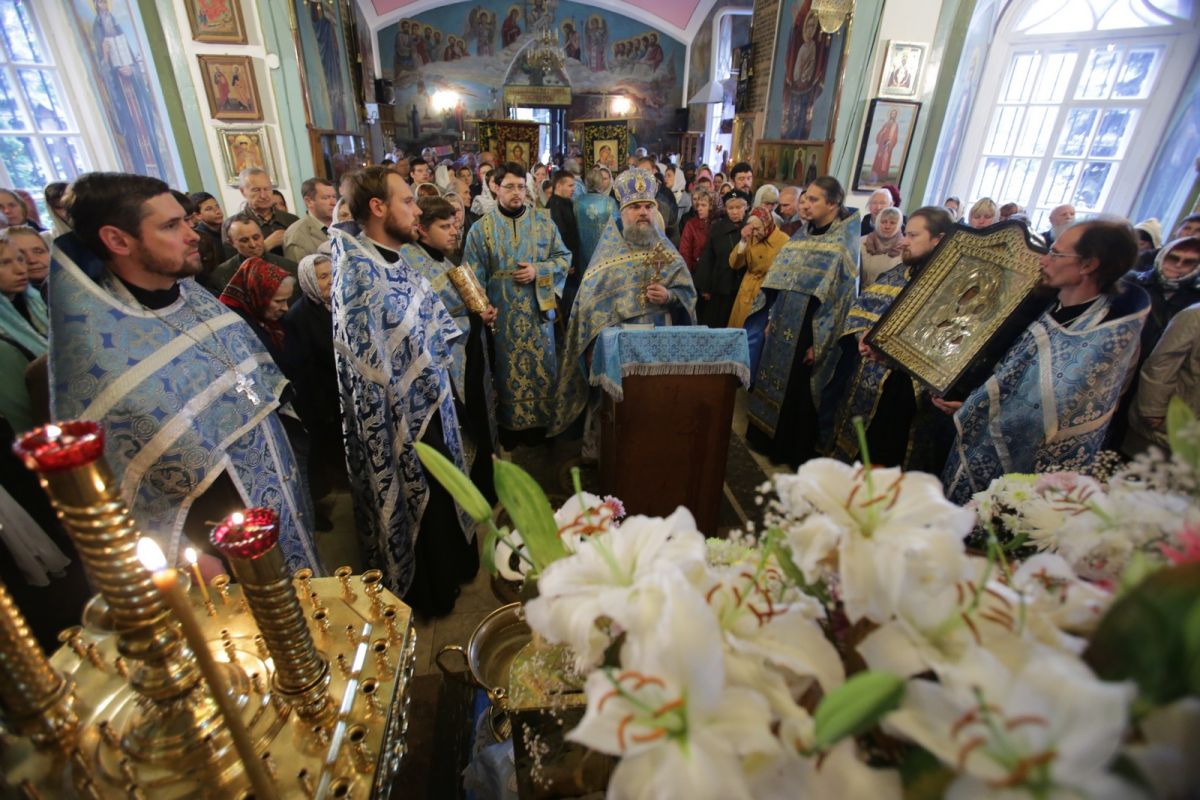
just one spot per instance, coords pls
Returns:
(392, 342)
(635, 276)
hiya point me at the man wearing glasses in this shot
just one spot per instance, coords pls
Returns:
(1050, 399)
(521, 261)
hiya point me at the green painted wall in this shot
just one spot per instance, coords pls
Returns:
(275, 17)
(178, 95)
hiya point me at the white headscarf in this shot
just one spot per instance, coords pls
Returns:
(484, 203)
(307, 272)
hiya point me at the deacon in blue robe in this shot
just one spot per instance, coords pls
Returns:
(186, 394)
(593, 212)
(636, 276)
(892, 405)
(808, 292)
(505, 247)
(1048, 405)
(392, 343)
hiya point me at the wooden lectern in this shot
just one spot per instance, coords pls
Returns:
(666, 416)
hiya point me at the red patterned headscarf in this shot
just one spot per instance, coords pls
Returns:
(251, 289)
(766, 218)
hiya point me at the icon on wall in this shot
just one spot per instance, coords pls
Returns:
(902, 68)
(216, 21)
(231, 89)
(243, 148)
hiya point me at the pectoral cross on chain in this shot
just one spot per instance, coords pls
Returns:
(656, 259)
(245, 386)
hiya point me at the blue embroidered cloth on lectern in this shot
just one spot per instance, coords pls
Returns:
(682, 350)
(1049, 401)
(161, 384)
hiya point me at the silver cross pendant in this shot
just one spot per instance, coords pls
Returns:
(245, 387)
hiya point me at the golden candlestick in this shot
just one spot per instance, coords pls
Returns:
(35, 700)
(250, 542)
(167, 582)
(85, 493)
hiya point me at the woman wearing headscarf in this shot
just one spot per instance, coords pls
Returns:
(259, 291)
(881, 247)
(761, 242)
(24, 326)
(309, 343)
(715, 282)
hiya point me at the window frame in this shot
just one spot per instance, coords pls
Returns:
(1179, 41)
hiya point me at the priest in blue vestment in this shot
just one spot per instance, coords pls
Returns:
(806, 295)
(1048, 404)
(392, 342)
(636, 276)
(866, 386)
(191, 404)
(470, 370)
(522, 263)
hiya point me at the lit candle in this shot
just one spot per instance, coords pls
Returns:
(190, 555)
(166, 580)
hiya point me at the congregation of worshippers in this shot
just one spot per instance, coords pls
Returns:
(274, 338)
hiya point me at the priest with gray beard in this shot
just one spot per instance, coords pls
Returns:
(635, 276)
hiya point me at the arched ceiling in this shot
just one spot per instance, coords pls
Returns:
(679, 18)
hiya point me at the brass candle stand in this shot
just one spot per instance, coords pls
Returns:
(144, 724)
(35, 700)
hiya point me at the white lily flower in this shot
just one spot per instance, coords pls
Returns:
(936, 630)
(838, 774)
(1048, 730)
(601, 580)
(765, 617)
(1051, 587)
(899, 532)
(680, 730)
(814, 544)
(581, 516)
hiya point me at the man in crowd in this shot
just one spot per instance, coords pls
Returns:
(255, 185)
(789, 210)
(636, 276)
(190, 402)
(305, 235)
(1061, 218)
(403, 168)
(522, 263)
(809, 289)
(1087, 340)
(470, 370)
(865, 385)
(53, 194)
(562, 211)
(392, 340)
(421, 173)
(246, 236)
(878, 201)
(593, 212)
(742, 177)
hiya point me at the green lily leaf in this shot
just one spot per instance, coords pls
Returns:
(455, 482)
(1183, 432)
(531, 514)
(855, 706)
(487, 555)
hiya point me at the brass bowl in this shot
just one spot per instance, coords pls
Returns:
(488, 657)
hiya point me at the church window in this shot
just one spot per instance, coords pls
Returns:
(1073, 83)
(40, 138)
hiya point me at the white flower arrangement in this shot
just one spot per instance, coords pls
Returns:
(734, 669)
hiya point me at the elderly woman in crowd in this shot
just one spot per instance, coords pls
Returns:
(259, 291)
(716, 283)
(696, 229)
(881, 247)
(309, 342)
(24, 327)
(983, 213)
(767, 197)
(754, 254)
